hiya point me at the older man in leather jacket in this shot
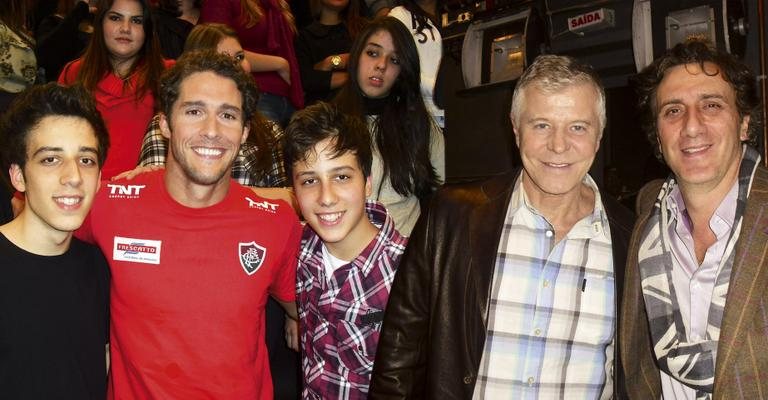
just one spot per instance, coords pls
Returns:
(509, 288)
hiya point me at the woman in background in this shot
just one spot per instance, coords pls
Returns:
(322, 48)
(121, 67)
(266, 30)
(260, 160)
(408, 147)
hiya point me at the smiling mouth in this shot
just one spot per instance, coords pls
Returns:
(208, 152)
(330, 217)
(556, 165)
(68, 202)
(694, 150)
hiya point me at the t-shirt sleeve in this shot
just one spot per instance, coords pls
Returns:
(284, 283)
(68, 74)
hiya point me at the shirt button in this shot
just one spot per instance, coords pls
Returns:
(548, 233)
(530, 381)
(537, 332)
(546, 283)
(468, 379)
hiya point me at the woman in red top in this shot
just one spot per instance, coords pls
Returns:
(266, 30)
(121, 67)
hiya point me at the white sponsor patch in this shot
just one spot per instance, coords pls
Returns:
(136, 250)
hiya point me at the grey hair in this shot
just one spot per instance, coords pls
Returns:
(550, 74)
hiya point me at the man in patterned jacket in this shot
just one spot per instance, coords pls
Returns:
(694, 310)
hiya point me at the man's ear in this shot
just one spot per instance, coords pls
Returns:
(246, 131)
(17, 178)
(165, 128)
(514, 131)
(744, 129)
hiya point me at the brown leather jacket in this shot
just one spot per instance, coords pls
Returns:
(435, 325)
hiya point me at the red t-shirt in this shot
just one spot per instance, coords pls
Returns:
(126, 118)
(189, 287)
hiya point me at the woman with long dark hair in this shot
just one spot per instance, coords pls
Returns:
(408, 147)
(121, 67)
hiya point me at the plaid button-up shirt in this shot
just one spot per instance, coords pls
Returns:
(552, 309)
(154, 148)
(340, 316)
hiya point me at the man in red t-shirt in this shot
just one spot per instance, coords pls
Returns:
(193, 254)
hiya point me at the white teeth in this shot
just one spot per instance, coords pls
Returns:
(68, 201)
(554, 165)
(329, 217)
(208, 152)
(694, 149)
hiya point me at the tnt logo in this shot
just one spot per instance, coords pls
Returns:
(124, 191)
(262, 205)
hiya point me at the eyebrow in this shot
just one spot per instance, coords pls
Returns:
(705, 96)
(199, 103)
(51, 149)
(336, 170)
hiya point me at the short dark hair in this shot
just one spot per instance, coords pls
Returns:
(697, 51)
(41, 101)
(322, 121)
(207, 61)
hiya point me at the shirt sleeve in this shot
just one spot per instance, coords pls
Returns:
(216, 11)
(68, 74)
(311, 79)
(437, 151)
(154, 146)
(283, 286)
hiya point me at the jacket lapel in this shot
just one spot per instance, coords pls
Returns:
(486, 222)
(748, 278)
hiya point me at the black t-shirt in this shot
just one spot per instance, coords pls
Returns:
(54, 313)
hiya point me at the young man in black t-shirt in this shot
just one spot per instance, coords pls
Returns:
(54, 289)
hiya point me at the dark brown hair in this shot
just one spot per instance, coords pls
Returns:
(38, 102)
(95, 63)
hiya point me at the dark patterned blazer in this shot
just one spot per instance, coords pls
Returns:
(741, 371)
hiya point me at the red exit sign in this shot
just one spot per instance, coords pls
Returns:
(598, 19)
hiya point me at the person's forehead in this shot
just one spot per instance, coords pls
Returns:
(208, 84)
(61, 130)
(692, 77)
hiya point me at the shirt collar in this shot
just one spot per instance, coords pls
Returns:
(519, 201)
(725, 211)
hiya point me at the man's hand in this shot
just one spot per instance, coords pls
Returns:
(292, 333)
(128, 175)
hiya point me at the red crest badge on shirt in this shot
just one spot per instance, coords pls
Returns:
(251, 256)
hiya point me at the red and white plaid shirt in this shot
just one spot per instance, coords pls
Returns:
(340, 317)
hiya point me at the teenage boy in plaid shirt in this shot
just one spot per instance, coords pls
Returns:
(349, 252)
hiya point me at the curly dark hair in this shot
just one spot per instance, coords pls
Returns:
(38, 102)
(207, 61)
(697, 51)
(402, 132)
(322, 121)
